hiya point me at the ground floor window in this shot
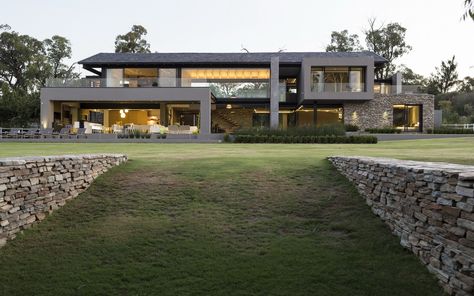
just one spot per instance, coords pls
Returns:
(231, 117)
(323, 116)
(261, 119)
(407, 117)
(106, 117)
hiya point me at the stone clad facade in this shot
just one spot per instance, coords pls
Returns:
(430, 206)
(378, 113)
(31, 187)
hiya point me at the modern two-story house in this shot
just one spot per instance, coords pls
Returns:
(223, 92)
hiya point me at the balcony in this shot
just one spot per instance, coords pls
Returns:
(220, 89)
(388, 89)
(338, 87)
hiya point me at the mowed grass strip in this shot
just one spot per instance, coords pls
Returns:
(218, 220)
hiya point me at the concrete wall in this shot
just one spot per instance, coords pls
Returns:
(378, 113)
(430, 206)
(32, 187)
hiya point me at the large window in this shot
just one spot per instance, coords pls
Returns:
(230, 82)
(114, 77)
(407, 117)
(337, 79)
(140, 77)
(167, 77)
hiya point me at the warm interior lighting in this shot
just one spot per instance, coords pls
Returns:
(209, 73)
(229, 106)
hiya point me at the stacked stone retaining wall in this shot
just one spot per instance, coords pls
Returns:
(32, 187)
(430, 206)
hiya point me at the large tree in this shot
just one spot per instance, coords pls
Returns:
(25, 64)
(343, 41)
(22, 59)
(445, 77)
(58, 49)
(409, 77)
(469, 5)
(466, 85)
(133, 41)
(387, 41)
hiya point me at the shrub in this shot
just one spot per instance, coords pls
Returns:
(351, 127)
(385, 130)
(227, 138)
(324, 130)
(447, 130)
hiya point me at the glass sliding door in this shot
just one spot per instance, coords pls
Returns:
(408, 117)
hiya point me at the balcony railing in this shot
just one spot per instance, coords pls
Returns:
(220, 89)
(338, 87)
(388, 89)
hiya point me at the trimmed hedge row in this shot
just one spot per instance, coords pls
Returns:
(385, 130)
(306, 139)
(445, 130)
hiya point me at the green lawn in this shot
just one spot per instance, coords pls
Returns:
(219, 219)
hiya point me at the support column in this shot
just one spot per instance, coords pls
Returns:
(205, 116)
(397, 83)
(315, 113)
(163, 114)
(274, 91)
(46, 113)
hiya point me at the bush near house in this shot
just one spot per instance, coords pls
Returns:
(385, 130)
(446, 130)
(324, 130)
(331, 139)
(351, 127)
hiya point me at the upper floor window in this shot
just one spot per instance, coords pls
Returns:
(337, 79)
(140, 77)
(229, 82)
(114, 77)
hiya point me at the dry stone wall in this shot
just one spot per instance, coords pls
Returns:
(378, 113)
(429, 205)
(32, 187)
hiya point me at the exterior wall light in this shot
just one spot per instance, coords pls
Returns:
(229, 106)
(385, 115)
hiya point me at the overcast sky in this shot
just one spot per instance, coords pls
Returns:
(434, 27)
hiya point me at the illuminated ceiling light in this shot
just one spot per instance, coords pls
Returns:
(122, 115)
(229, 106)
(126, 110)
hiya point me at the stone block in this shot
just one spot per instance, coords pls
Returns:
(464, 191)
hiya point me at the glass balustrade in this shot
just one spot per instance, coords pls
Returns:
(220, 89)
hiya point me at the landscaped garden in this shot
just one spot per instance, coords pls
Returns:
(220, 219)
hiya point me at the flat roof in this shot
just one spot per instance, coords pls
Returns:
(217, 58)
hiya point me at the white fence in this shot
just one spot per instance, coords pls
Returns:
(460, 126)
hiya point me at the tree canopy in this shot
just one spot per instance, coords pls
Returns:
(25, 64)
(343, 41)
(133, 41)
(389, 42)
(445, 77)
(469, 6)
